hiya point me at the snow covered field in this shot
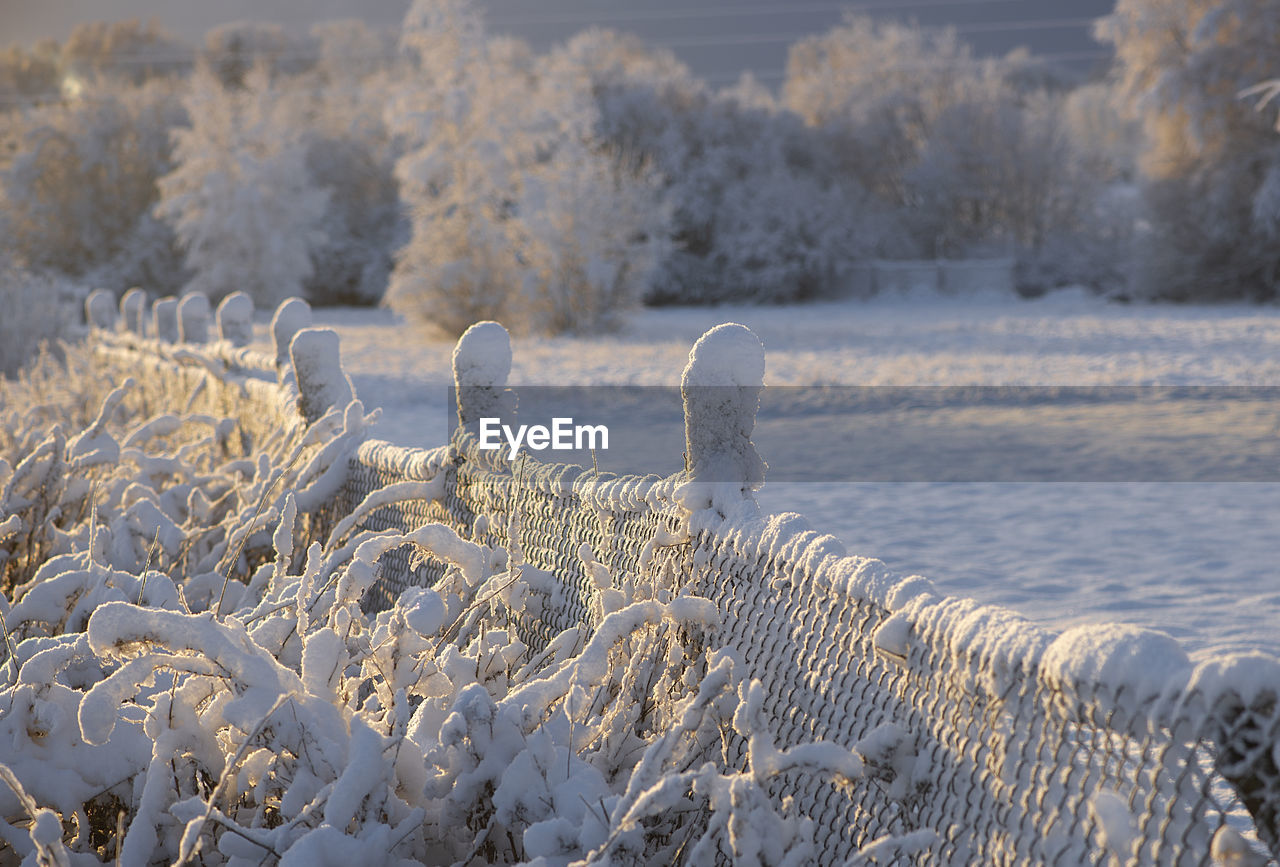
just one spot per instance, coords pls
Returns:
(1198, 560)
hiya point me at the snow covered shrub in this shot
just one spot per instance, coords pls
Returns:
(1207, 158)
(757, 210)
(274, 719)
(239, 198)
(459, 114)
(879, 86)
(130, 51)
(296, 727)
(970, 157)
(30, 73)
(520, 210)
(33, 314)
(590, 226)
(362, 221)
(233, 49)
(351, 155)
(176, 491)
(76, 196)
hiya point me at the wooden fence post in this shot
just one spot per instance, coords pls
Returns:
(235, 319)
(481, 365)
(721, 388)
(193, 318)
(164, 319)
(133, 307)
(317, 365)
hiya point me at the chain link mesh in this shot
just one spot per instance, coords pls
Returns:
(981, 748)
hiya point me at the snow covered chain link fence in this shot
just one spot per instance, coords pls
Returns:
(987, 740)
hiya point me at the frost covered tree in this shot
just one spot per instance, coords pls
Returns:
(1209, 161)
(458, 114)
(974, 156)
(520, 211)
(29, 75)
(240, 198)
(231, 50)
(77, 195)
(350, 51)
(1103, 133)
(589, 227)
(351, 154)
(758, 212)
(881, 86)
(124, 51)
(997, 171)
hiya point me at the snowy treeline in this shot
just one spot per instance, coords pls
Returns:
(462, 175)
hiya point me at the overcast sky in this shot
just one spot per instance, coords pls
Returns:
(717, 38)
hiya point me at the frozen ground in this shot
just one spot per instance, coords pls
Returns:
(1198, 560)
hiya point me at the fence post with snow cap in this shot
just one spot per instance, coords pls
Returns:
(193, 318)
(1235, 699)
(235, 319)
(100, 310)
(481, 365)
(317, 365)
(721, 387)
(164, 319)
(291, 316)
(133, 307)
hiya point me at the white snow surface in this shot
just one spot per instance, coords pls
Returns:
(1195, 560)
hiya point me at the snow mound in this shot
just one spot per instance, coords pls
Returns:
(1135, 666)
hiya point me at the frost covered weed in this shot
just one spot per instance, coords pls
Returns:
(190, 678)
(177, 491)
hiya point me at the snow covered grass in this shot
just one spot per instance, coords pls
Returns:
(189, 677)
(1196, 560)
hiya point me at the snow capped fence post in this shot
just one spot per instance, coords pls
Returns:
(133, 310)
(1236, 700)
(235, 319)
(481, 365)
(164, 316)
(317, 364)
(290, 317)
(100, 310)
(721, 388)
(193, 318)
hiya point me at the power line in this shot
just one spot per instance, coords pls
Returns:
(1052, 57)
(771, 38)
(740, 11)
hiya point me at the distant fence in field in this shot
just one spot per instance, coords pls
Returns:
(1007, 743)
(943, 276)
